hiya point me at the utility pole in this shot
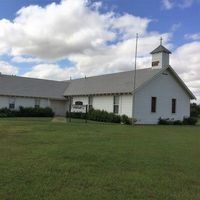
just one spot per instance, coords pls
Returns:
(134, 80)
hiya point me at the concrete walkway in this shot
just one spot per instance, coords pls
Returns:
(59, 119)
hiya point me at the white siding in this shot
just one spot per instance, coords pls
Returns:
(163, 59)
(165, 87)
(4, 102)
(103, 103)
(126, 105)
(59, 107)
(21, 101)
(106, 103)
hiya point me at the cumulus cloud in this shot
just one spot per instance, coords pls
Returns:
(53, 72)
(67, 28)
(195, 36)
(76, 30)
(6, 68)
(58, 31)
(185, 61)
(169, 4)
(186, 3)
(22, 59)
(175, 27)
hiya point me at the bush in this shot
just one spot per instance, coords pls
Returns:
(125, 120)
(5, 112)
(101, 116)
(190, 121)
(166, 121)
(186, 121)
(76, 115)
(194, 110)
(178, 122)
(27, 112)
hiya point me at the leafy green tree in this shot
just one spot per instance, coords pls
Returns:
(194, 110)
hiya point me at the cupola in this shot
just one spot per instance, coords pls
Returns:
(160, 57)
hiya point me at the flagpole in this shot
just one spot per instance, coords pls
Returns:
(134, 81)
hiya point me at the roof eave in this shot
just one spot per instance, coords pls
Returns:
(192, 96)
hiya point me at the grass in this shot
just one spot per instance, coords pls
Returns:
(76, 161)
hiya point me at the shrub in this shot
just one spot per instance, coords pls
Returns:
(101, 116)
(27, 112)
(186, 121)
(194, 110)
(75, 115)
(166, 121)
(5, 112)
(178, 122)
(125, 120)
(190, 121)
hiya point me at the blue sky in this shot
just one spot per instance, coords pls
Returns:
(43, 42)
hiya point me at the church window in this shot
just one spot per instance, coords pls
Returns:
(174, 106)
(153, 104)
(12, 103)
(116, 104)
(37, 103)
(155, 63)
(90, 102)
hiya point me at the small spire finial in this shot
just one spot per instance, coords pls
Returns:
(161, 39)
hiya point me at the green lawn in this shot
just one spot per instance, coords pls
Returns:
(75, 161)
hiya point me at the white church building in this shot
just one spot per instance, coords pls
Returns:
(159, 92)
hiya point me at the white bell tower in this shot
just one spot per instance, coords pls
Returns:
(160, 56)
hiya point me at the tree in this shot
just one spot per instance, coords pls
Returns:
(194, 110)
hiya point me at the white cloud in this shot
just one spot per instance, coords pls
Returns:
(71, 27)
(175, 27)
(185, 60)
(195, 36)
(21, 59)
(6, 68)
(168, 4)
(53, 72)
(186, 3)
(76, 30)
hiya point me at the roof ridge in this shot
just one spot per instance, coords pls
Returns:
(159, 49)
(115, 73)
(24, 77)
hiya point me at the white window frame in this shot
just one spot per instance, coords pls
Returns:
(173, 105)
(11, 103)
(116, 104)
(37, 103)
(90, 102)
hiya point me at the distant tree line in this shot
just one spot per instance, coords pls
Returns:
(195, 110)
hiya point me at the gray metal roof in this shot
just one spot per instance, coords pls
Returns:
(31, 87)
(110, 84)
(159, 49)
(116, 83)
